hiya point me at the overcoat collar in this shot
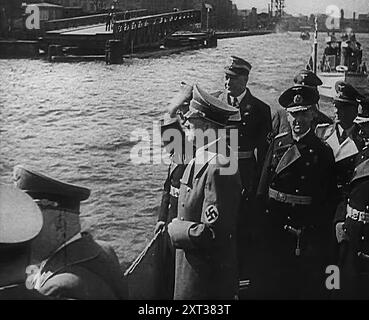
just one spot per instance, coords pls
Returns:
(81, 250)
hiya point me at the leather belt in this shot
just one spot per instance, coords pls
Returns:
(357, 215)
(174, 192)
(289, 198)
(245, 154)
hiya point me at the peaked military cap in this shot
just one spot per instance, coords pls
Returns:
(204, 105)
(363, 110)
(237, 66)
(346, 93)
(40, 187)
(299, 98)
(20, 217)
(307, 78)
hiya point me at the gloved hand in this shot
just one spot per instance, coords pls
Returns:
(340, 232)
(160, 225)
(181, 100)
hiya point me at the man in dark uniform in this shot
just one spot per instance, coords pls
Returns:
(352, 54)
(254, 126)
(343, 136)
(309, 78)
(20, 222)
(204, 233)
(299, 187)
(72, 265)
(331, 52)
(352, 221)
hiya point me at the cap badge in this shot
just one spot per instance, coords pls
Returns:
(297, 98)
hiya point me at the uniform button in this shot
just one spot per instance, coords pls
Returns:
(244, 123)
(279, 143)
(288, 218)
(362, 238)
(170, 205)
(241, 135)
(297, 190)
(302, 177)
(230, 236)
(307, 164)
(182, 218)
(311, 150)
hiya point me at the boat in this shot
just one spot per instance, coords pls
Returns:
(336, 67)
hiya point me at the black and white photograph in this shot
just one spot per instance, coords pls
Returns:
(173, 152)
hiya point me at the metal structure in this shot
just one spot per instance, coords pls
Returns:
(278, 6)
(149, 31)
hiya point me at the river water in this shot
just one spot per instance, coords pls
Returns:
(74, 121)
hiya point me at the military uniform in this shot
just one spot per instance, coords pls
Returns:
(354, 212)
(254, 125)
(345, 143)
(299, 186)
(81, 268)
(21, 221)
(204, 234)
(168, 209)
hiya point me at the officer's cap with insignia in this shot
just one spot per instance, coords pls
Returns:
(346, 94)
(20, 217)
(307, 78)
(363, 111)
(208, 107)
(299, 98)
(237, 66)
(49, 191)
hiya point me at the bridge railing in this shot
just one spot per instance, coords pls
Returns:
(157, 23)
(148, 31)
(90, 20)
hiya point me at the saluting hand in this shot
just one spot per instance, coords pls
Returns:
(181, 100)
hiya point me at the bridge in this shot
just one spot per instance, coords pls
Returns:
(139, 32)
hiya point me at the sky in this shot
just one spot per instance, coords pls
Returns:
(309, 6)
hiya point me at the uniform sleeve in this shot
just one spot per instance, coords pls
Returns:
(264, 133)
(165, 198)
(218, 217)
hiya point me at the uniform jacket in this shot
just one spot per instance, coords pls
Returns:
(303, 168)
(169, 200)
(206, 262)
(344, 150)
(83, 270)
(254, 130)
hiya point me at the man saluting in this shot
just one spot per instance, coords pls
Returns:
(209, 195)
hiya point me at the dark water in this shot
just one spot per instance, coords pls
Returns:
(74, 122)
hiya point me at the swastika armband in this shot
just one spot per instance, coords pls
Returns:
(211, 214)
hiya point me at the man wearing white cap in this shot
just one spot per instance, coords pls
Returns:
(20, 222)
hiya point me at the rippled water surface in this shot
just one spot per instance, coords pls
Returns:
(74, 122)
